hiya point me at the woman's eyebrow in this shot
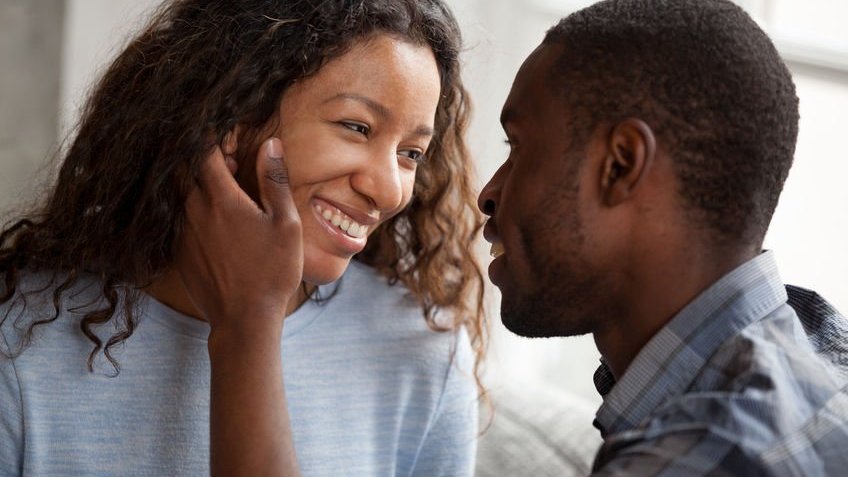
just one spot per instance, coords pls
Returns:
(371, 104)
(379, 109)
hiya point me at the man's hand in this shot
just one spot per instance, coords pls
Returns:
(241, 263)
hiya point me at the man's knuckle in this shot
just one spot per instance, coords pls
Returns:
(278, 176)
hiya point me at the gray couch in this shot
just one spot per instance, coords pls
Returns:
(536, 432)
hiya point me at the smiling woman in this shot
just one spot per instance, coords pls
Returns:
(174, 243)
(361, 138)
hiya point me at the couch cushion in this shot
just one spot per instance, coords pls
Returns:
(536, 432)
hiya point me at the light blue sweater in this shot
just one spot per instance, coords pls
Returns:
(372, 391)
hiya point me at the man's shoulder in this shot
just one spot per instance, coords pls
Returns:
(772, 360)
(766, 397)
(770, 397)
(750, 432)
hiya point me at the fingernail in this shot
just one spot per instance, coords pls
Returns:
(275, 148)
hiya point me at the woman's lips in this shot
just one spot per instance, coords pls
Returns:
(349, 235)
(342, 221)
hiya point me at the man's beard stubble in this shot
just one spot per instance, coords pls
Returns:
(567, 292)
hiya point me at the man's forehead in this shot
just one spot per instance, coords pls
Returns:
(531, 87)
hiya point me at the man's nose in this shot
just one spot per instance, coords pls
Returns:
(487, 202)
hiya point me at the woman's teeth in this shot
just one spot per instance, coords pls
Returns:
(343, 222)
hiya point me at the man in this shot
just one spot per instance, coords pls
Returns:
(650, 141)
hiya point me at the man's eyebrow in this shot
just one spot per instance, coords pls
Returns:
(379, 109)
(508, 115)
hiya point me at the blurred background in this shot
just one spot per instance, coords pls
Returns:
(52, 50)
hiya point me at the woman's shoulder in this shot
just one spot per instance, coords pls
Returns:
(45, 297)
(39, 282)
(39, 291)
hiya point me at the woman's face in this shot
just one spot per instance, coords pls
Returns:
(352, 137)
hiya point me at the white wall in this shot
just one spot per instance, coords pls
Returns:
(94, 32)
(30, 49)
(809, 228)
(809, 231)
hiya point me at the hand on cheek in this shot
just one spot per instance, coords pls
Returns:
(241, 262)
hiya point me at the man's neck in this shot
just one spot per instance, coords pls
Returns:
(658, 291)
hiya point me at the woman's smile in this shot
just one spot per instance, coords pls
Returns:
(344, 229)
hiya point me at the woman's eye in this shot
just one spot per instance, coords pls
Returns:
(413, 154)
(356, 127)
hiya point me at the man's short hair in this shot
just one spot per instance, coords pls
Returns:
(709, 82)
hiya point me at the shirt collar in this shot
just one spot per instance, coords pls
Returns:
(667, 364)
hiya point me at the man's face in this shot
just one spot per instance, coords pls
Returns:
(541, 214)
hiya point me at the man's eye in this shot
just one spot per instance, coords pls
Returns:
(413, 154)
(356, 127)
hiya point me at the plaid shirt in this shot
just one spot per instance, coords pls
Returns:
(751, 378)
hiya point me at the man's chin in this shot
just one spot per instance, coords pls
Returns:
(523, 325)
(536, 322)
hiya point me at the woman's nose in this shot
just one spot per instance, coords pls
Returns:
(381, 180)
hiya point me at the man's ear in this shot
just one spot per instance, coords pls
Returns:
(631, 149)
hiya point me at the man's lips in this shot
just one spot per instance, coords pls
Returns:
(490, 233)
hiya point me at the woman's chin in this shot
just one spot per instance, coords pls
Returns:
(326, 272)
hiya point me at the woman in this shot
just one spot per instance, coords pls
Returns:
(151, 280)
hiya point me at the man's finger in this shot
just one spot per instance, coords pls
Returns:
(273, 178)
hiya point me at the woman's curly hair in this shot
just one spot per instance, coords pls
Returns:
(199, 69)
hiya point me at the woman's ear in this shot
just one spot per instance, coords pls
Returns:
(632, 147)
(229, 146)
